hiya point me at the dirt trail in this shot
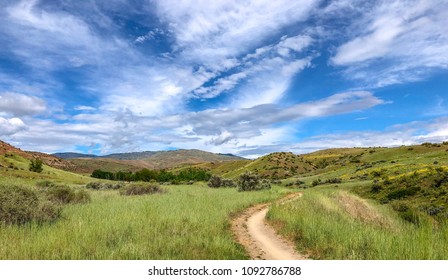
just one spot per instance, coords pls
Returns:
(260, 239)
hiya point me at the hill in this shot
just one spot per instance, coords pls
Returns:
(7, 150)
(278, 165)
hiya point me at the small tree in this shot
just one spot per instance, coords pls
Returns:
(36, 165)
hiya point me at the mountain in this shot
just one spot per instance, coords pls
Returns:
(131, 156)
(73, 155)
(134, 161)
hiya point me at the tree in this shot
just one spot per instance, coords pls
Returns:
(36, 165)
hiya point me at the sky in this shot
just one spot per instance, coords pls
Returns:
(241, 77)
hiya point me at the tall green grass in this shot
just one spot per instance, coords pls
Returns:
(320, 226)
(185, 222)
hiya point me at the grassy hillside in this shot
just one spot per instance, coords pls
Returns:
(88, 165)
(387, 203)
(14, 169)
(7, 149)
(332, 223)
(275, 166)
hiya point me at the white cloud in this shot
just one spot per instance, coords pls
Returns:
(84, 108)
(435, 130)
(17, 104)
(395, 42)
(263, 75)
(231, 130)
(38, 36)
(11, 126)
(216, 27)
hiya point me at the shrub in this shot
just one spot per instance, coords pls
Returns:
(333, 181)
(140, 189)
(17, 204)
(218, 182)
(229, 183)
(316, 182)
(251, 182)
(104, 186)
(401, 193)
(215, 182)
(47, 212)
(248, 181)
(81, 196)
(36, 165)
(20, 205)
(265, 184)
(65, 194)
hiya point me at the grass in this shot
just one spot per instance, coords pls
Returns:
(322, 225)
(185, 222)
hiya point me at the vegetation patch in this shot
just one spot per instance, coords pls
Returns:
(219, 182)
(36, 165)
(146, 175)
(140, 189)
(20, 205)
(251, 182)
(425, 192)
(64, 195)
(104, 186)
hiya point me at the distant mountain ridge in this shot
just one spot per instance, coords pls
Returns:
(147, 154)
(70, 155)
(134, 161)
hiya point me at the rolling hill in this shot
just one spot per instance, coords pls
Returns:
(50, 160)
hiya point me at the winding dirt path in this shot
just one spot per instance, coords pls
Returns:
(259, 239)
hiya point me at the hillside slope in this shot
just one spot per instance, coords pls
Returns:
(7, 149)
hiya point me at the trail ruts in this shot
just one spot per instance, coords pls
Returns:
(259, 239)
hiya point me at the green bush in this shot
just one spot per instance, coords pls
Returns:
(401, 193)
(215, 182)
(17, 204)
(81, 196)
(218, 182)
(47, 212)
(140, 189)
(36, 165)
(20, 205)
(64, 195)
(104, 186)
(228, 183)
(251, 182)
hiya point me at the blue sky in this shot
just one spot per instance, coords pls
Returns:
(241, 77)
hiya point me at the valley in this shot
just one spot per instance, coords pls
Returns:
(355, 203)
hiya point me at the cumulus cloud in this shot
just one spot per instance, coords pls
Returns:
(11, 126)
(17, 104)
